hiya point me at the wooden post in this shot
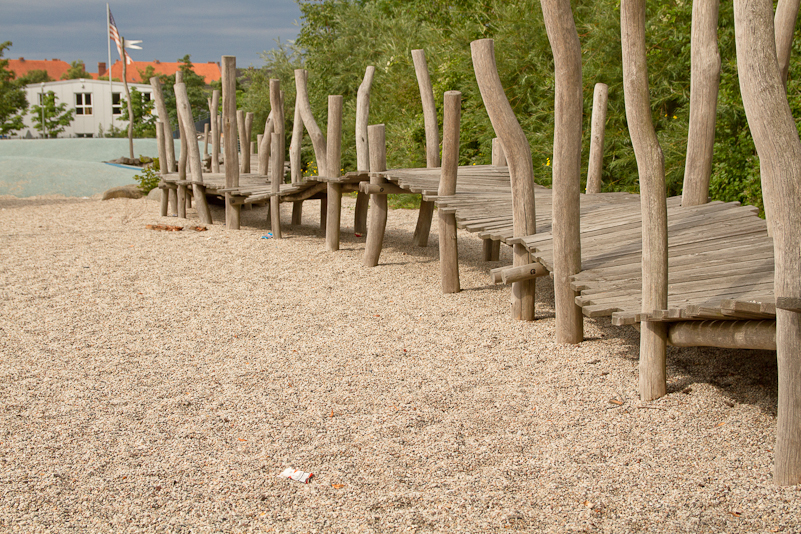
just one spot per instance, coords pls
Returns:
(264, 145)
(521, 170)
(185, 117)
(160, 142)
(215, 131)
(757, 335)
(244, 146)
(205, 140)
(362, 147)
(168, 164)
(498, 156)
(595, 165)
(232, 211)
(564, 41)
(492, 247)
(423, 228)
(448, 244)
(317, 137)
(784, 21)
(277, 170)
(704, 82)
(334, 153)
(651, 169)
(295, 172)
(179, 78)
(378, 203)
(776, 138)
(248, 135)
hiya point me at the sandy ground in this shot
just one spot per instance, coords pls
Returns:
(158, 381)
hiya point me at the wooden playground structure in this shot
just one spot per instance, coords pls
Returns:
(685, 271)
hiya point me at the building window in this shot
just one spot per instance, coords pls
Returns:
(83, 103)
(115, 104)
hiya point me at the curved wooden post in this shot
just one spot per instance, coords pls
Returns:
(185, 117)
(244, 143)
(362, 147)
(334, 189)
(162, 167)
(378, 203)
(595, 165)
(317, 137)
(232, 211)
(776, 138)
(564, 41)
(161, 108)
(265, 144)
(215, 130)
(704, 82)
(423, 228)
(521, 170)
(448, 244)
(651, 168)
(784, 21)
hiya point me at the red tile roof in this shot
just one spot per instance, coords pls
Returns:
(210, 71)
(55, 67)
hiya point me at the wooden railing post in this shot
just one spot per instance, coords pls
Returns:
(162, 167)
(276, 156)
(423, 228)
(568, 106)
(378, 203)
(316, 135)
(448, 244)
(521, 170)
(334, 190)
(232, 211)
(265, 145)
(244, 146)
(295, 163)
(193, 153)
(362, 147)
(215, 130)
(595, 165)
(651, 169)
(206, 140)
(492, 247)
(168, 164)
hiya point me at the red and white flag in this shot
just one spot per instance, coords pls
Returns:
(115, 36)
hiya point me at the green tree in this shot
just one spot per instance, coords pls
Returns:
(34, 76)
(144, 120)
(12, 97)
(56, 117)
(195, 88)
(76, 71)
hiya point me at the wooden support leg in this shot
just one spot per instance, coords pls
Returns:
(522, 292)
(423, 228)
(486, 249)
(448, 246)
(323, 214)
(163, 202)
(275, 216)
(297, 213)
(233, 213)
(173, 195)
(496, 250)
(653, 347)
(201, 204)
(182, 201)
(332, 227)
(378, 203)
(448, 253)
(360, 215)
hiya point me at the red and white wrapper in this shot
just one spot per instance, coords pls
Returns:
(298, 476)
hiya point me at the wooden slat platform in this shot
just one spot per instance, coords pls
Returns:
(720, 256)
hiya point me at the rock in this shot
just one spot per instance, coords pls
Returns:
(124, 191)
(155, 194)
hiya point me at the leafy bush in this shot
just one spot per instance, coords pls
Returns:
(150, 177)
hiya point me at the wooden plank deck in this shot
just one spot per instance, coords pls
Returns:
(720, 256)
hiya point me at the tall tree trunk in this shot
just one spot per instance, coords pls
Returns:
(704, 82)
(777, 143)
(566, 166)
(651, 169)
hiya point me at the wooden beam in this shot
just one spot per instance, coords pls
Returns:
(758, 335)
(385, 188)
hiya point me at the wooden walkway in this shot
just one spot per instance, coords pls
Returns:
(720, 256)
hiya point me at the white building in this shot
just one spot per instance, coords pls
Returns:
(95, 104)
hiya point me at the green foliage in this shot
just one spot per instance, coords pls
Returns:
(195, 89)
(56, 117)
(76, 71)
(150, 177)
(34, 76)
(12, 97)
(144, 120)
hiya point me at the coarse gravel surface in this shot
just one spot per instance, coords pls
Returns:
(155, 381)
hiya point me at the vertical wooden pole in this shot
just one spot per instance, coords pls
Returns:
(362, 147)
(651, 168)
(185, 118)
(160, 141)
(595, 165)
(168, 164)
(498, 156)
(423, 228)
(277, 171)
(334, 152)
(704, 82)
(784, 22)
(206, 140)
(178, 195)
(316, 135)
(265, 144)
(244, 146)
(232, 211)
(295, 172)
(492, 247)
(248, 135)
(215, 131)
(378, 203)
(521, 170)
(564, 40)
(323, 214)
(776, 138)
(448, 244)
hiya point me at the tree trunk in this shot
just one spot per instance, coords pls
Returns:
(566, 166)
(651, 169)
(704, 82)
(776, 138)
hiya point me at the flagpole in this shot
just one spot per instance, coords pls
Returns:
(108, 70)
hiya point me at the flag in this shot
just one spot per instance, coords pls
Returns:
(115, 36)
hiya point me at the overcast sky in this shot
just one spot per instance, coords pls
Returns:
(206, 29)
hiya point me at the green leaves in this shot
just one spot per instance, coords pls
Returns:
(12, 97)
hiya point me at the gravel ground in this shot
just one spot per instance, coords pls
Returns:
(158, 381)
